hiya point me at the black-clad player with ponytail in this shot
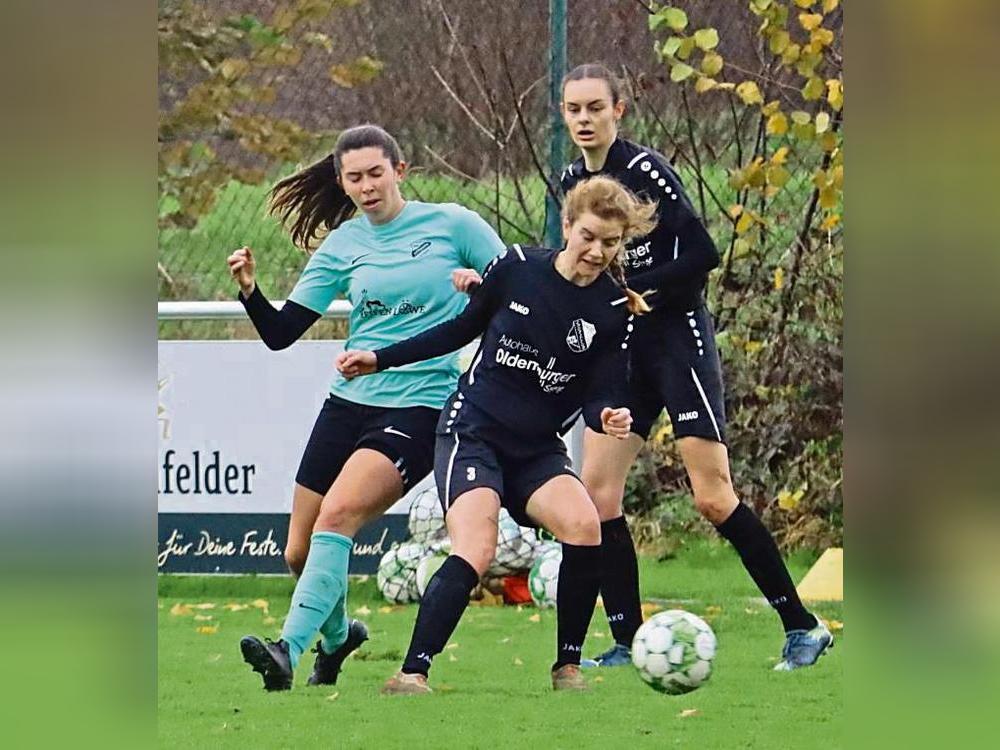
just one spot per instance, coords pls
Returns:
(674, 365)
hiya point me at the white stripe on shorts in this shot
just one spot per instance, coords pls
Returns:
(704, 398)
(447, 481)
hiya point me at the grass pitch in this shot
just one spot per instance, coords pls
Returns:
(491, 683)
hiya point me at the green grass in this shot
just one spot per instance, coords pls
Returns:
(483, 697)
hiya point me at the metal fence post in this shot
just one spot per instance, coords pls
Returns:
(557, 131)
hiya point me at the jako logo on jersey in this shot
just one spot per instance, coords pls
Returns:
(519, 308)
(687, 416)
(581, 333)
(419, 248)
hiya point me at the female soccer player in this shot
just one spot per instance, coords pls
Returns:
(555, 332)
(675, 365)
(373, 438)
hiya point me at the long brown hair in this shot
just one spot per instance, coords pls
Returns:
(609, 200)
(311, 202)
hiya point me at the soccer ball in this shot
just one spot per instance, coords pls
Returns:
(543, 580)
(673, 651)
(515, 550)
(397, 573)
(426, 520)
(426, 569)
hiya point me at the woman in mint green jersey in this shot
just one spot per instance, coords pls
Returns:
(374, 437)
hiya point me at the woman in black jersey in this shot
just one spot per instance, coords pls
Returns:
(556, 329)
(674, 365)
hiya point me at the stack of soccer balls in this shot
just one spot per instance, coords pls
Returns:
(673, 651)
(405, 569)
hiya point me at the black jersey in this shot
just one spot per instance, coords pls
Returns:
(549, 349)
(675, 258)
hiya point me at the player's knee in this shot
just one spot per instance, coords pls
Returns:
(584, 529)
(607, 497)
(295, 559)
(340, 518)
(716, 505)
(479, 556)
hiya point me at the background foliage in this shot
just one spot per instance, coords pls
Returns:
(744, 98)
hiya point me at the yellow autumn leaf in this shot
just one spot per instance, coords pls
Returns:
(735, 210)
(835, 93)
(779, 42)
(791, 54)
(779, 278)
(830, 222)
(821, 37)
(780, 156)
(204, 618)
(713, 609)
(740, 247)
(518, 662)
(804, 3)
(333, 696)
(828, 197)
(385, 610)
(450, 646)
(777, 175)
(752, 347)
(835, 624)
(744, 223)
(269, 620)
(822, 121)
(363, 611)
(680, 72)
(777, 124)
(706, 39)
(233, 67)
(203, 605)
(750, 611)
(799, 117)
(598, 679)
(598, 634)
(749, 92)
(810, 21)
(452, 657)
(179, 610)
(676, 18)
(663, 433)
(535, 618)
(712, 63)
(785, 501)
(830, 5)
(688, 712)
(813, 89)
(207, 629)
(770, 108)
(259, 604)
(704, 83)
(234, 607)
(649, 608)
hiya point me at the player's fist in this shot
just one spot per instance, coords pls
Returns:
(616, 422)
(466, 280)
(242, 267)
(354, 362)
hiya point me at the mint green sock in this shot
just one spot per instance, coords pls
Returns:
(334, 630)
(321, 587)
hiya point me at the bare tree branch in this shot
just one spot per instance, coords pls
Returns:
(461, 104)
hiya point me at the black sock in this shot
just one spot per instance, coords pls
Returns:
(620, 580)
(441, 607)
(579, 582)
(763, 562)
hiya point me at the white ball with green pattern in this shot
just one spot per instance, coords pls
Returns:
(397, 573)
(426, 519)
(515, 547)
(673, 651)
(543, 580)
(426, 568)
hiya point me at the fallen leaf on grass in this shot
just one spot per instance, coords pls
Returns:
(598, 679)
(259, 604)
(520, 608)
(214, 657)
(234, 607)
(203, 605)
(688, 712)
(452, 657)
(386, 610)
(648, 608)
(535, 618)
(207, 629)
(451, 645)
(203, 617)
(750, 611)
(518, 662)
(599, 634)
(711, 610)
(835, 624)
(504, 640)
(269, 620)
(363, 611)
(333, 696)
(180, 610)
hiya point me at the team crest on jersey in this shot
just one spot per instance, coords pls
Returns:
(581, 333)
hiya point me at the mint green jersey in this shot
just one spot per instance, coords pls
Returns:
(397, 276)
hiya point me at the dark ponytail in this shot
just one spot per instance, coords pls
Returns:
(311, 202)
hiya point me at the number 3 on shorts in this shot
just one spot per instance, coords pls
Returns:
(470, 473)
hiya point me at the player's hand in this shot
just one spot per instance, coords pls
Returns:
(242, 267)
(466, 280)
(354, 362)
(616, 422)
